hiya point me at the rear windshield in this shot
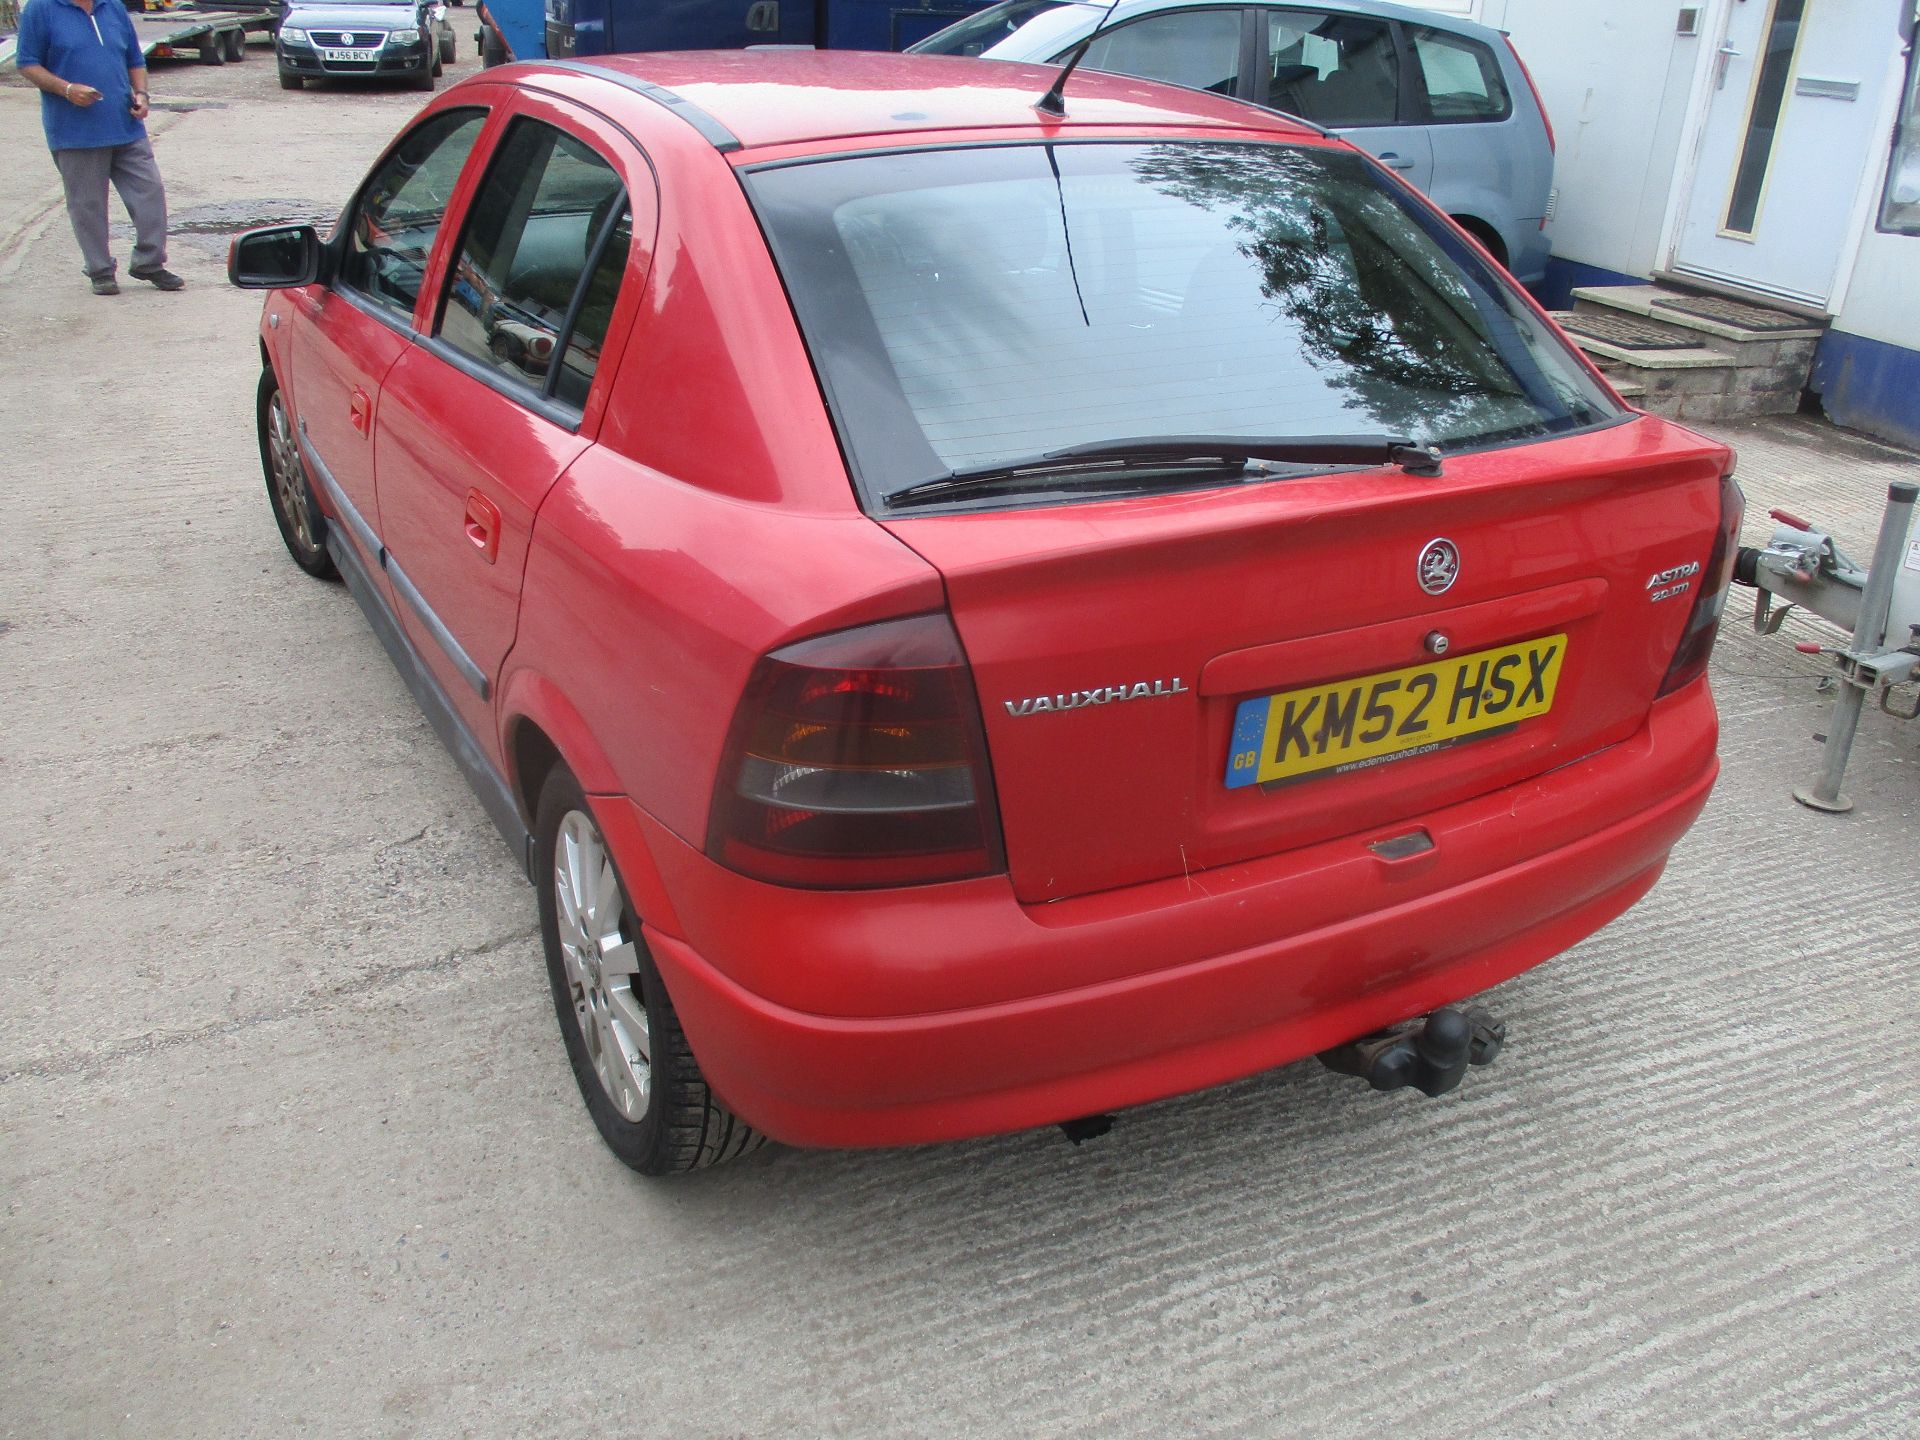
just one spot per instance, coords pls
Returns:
(970, 305)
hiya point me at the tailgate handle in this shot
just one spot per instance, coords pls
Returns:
(483, 526)
(1410, 846)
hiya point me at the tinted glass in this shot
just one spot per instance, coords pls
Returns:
(1763, 118)
(531, 235)
(1196, 48)
(1461, 76)
(970, 306)
(399, 214)
(1332, 69)
(978, 32)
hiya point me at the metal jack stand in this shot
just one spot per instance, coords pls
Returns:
(1804, 567)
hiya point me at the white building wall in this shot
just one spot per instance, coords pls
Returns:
(1615, 79)
(1882, 297)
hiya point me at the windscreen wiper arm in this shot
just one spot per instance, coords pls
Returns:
(1209, 452)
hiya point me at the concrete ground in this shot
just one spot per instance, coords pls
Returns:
(288, 1145)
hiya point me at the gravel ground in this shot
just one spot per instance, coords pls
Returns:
(288, 1144)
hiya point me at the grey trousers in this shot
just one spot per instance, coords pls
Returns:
(132, 171)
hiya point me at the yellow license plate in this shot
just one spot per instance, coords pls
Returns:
(1353, 723)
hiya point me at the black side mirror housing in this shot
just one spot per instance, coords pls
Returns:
(277, 257)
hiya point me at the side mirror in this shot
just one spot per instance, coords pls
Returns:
(278, 257)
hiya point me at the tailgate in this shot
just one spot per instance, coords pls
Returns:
(1183, 681)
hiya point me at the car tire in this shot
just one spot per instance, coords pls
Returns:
(449, 50)
(424, 80)
(289, 491)
(493, 50)
(290, 81)
(439, 67)
(630, 1058)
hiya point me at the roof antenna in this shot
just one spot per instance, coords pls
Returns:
(1054, 102)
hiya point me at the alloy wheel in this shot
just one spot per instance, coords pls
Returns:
(603, 964)
(289, 480)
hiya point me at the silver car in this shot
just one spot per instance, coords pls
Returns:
(1445, 102)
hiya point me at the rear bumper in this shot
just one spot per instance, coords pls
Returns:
(1202, 984)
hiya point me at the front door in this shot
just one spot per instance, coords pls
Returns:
(347, 336)
(1796, 91)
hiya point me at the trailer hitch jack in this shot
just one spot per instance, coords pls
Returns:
(1430, 1052)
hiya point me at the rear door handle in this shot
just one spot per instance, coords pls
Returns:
(483, 526)
(1392, 161)
(362, 406)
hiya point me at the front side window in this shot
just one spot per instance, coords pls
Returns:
(533, 287)
(969, 307)
(1900, 204)
(1461, 76)
(1334, 70)
(1196, 48)
(394, 225)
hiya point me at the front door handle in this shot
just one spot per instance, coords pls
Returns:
(483, 526)
(362, 406)
(1391, 159)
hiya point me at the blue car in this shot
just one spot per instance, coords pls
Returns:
(1445, 102)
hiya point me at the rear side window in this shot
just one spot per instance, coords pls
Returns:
(1336, 70)
(533, 288)
(1196, 48)
(1461, 76)
(398, 216)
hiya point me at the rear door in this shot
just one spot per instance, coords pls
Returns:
(483, 418)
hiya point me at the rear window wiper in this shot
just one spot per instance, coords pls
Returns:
(1168, 452)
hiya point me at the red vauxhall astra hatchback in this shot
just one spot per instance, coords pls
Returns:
(974, 617)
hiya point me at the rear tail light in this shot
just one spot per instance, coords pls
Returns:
(1703, 623)
(857, 759)
(1527, 75)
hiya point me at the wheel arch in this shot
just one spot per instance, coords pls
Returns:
(541, 729)
(1485, 232)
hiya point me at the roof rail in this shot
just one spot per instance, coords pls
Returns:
(711, 130)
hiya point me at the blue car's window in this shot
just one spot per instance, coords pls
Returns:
(966, 306)
(1461, 76)
(981, 32)
(1196, 48)
(1336, 70)
(392, 230)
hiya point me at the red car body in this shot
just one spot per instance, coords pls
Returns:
(1142, 929)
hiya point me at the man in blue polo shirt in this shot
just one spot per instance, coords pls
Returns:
(87, 63)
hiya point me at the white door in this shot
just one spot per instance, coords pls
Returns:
(1789, 127)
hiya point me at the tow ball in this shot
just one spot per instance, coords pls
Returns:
(1429, 1052)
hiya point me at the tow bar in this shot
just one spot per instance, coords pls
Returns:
(1429, 1052)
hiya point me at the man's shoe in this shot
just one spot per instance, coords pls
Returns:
(105, 285)
(159, 278)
